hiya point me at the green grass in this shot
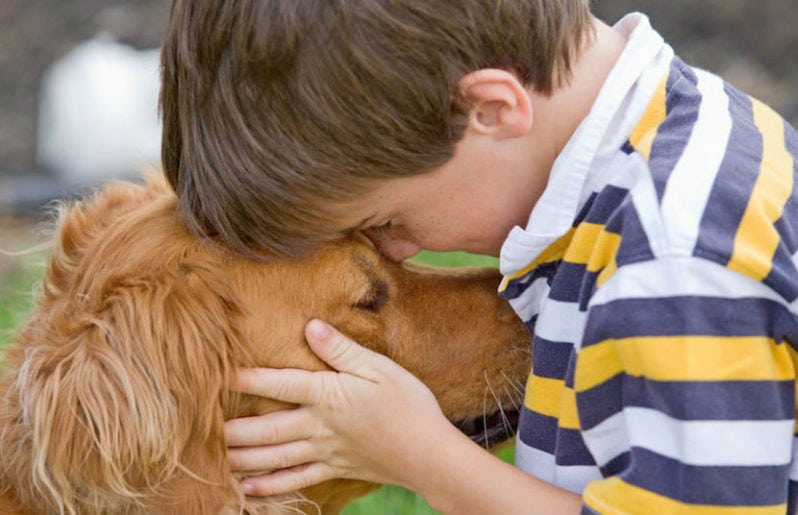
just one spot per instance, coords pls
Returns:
(16, 300)
(455, 259)
(16, 293)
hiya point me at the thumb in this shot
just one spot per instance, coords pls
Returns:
(342, 353)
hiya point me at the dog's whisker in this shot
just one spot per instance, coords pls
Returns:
(506, 423)
(511, 394)
(521, 387)
(510, 382)
(521, 349)
(485, 417)
(518, 398)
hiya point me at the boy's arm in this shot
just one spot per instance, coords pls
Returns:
(464, 479)
(685, 387)
(347, 427)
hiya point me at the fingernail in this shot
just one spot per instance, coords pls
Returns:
(248, 489)
(318, 329)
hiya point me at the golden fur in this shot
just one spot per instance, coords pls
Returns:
(115, 392)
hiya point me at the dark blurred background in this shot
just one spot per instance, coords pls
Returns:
(752, 44)
(34, 34)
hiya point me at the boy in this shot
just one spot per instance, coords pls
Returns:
(643, 212)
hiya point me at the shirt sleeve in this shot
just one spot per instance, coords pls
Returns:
(685, 386)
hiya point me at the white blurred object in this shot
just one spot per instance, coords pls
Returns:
(98, 117)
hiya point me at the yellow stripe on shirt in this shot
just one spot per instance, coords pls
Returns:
(642, 138)
(615, 496)
(595, 247)
(685, 358)
(552, 398)
(756, 239)
(553, 252)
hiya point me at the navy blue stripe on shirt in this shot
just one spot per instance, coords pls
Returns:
(783, 276)
(517, 287)
(675, 74)
(786, 225)
(682, 107)
(616, 465)
(605, 205)
(686, 71)
(600, 402)
(549, 358)
(710, 400)
(542, 432)
(688, 400)
(734, 182)
(538, 431)
(587, 289)
(635, 245)
(571, 449)
(789, 218)
(585, 209)
(567, 285)
(792, 497)
(570, 371)
(710, 485)
(688, 315)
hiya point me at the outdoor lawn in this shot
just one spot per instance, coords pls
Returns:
(18, 279)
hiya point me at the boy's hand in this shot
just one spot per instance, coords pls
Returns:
(370, 420)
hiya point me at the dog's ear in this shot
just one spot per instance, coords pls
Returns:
(122, 401)
(80, 224)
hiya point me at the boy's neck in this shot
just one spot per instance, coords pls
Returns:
(558, 116)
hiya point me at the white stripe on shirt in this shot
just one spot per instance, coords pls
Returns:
(693, 442)
(681, 276)
(527, 305)
(561, 322)
(542, 465)
(691, 180)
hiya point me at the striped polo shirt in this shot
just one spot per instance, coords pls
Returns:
(658, 277)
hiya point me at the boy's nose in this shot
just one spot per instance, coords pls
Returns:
(392, 248)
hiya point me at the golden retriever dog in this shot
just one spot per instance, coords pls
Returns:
(114, 395)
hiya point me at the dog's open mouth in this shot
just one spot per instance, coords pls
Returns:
(490, 429)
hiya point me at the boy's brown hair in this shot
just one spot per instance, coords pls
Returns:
(275, 111)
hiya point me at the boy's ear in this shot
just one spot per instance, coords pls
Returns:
(499, 105)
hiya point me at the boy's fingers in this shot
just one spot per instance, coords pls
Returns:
(287, 480)
(273, 428)
(287, 385)
(341, 353)
(272, 457)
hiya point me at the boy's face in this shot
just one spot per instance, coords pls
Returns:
(469, 204)
(499, 170)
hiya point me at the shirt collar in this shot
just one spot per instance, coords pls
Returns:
(555, 210)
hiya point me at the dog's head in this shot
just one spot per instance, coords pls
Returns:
(116, 391)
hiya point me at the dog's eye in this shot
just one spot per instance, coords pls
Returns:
(376, 298)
